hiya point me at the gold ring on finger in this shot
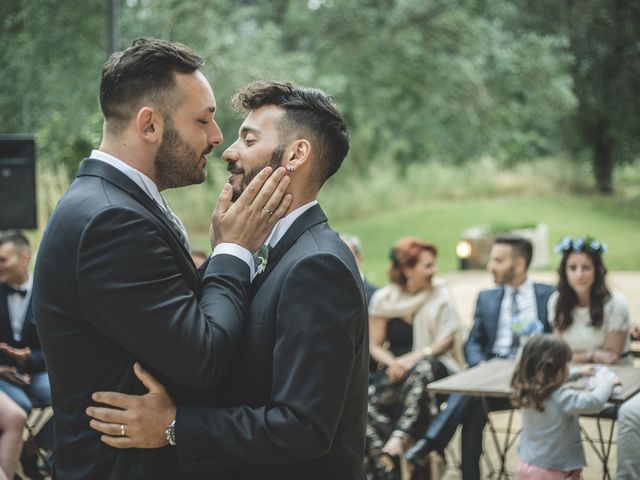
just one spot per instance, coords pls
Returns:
(122, 430)
(267, 210)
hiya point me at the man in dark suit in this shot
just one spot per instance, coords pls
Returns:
(23, 373)
(517, 304)
(295, 401)
(114, 280)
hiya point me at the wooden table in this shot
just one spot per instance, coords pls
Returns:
(492, 379)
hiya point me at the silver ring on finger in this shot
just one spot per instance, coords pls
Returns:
(267, 210)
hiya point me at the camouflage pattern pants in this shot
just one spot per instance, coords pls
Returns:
(405, 406)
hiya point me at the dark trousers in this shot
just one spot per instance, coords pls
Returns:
(468, 412)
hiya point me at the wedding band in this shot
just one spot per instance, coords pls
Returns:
(267, 210)
(122, 433)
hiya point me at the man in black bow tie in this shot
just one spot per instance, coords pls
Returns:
(23, 374)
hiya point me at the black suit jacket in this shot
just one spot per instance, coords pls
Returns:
(113, 284)
(296, 398)
(484, 331)
(35, 363)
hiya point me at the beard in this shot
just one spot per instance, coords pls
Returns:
(177, 162)
(274, 162)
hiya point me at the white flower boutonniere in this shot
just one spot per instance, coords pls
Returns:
(263, 256)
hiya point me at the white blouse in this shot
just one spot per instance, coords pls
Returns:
(581, 336)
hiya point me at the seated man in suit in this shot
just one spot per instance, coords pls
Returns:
(517, 303)
(23, 373)
(294, 404)
(355, 245)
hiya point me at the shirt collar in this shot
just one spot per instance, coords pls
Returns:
(524, 287)
(145, 183)
(24, 286)
(282, 225)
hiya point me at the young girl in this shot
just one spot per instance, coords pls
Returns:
(550, 443)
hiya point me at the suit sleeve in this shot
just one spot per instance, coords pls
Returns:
(132, 291)
(475, 347)
(320, 327)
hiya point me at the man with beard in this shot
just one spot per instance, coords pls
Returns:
(114, 280)
(294, 405)
(517, 304)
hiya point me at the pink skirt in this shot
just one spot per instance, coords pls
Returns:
(526, 471)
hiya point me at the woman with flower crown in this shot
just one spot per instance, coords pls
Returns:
(593, 320)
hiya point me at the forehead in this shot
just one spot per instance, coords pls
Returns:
(197, 94)
(501, 250)
(264, 119)
(7, 249)
(579, 258)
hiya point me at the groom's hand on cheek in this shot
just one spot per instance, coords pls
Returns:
(134, 421)
(248, 221)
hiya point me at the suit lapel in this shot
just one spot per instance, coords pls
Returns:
(308, 219)
(541, 305)
(6, 332)
(97, 168)
(493, 313)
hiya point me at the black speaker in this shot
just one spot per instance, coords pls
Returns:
(17, 182)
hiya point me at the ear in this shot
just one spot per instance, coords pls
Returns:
(521, 264)
(299, 154)
(149, 125)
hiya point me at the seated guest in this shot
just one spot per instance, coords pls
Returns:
(550, 442)
(518, 306)
(12, 422)
(415, 338)
(355, 246)
(593, 320)
(24, 377)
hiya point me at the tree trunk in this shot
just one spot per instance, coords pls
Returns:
(602, 162)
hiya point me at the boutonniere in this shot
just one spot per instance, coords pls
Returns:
(263, 256)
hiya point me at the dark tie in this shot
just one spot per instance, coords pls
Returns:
(19, 291)
(515, 314)
(177, 226)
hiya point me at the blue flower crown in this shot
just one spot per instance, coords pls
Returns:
(580, 245)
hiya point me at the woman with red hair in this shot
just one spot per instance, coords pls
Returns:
(414, 339)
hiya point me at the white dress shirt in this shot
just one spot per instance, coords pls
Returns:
(527, 311)
(18, 305)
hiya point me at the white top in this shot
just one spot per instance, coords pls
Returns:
(527, 312)
(551, 439)
(17, 306)
(581, 336)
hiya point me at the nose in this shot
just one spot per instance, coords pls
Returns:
(230, 155)
(215, 135)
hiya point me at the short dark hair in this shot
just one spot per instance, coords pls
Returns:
(520, 245)
(144, 72)
(308, 111)
(19, 240)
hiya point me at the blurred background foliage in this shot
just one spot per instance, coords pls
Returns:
(444, 98)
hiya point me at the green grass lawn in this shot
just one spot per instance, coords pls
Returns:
(611, 219)
(442, 223)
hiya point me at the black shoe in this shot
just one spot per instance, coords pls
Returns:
(31, 468)
(418, 455)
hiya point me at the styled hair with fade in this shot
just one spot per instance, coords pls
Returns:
(520, 245)
(17, 238)
(309, 112)
(144, 72)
